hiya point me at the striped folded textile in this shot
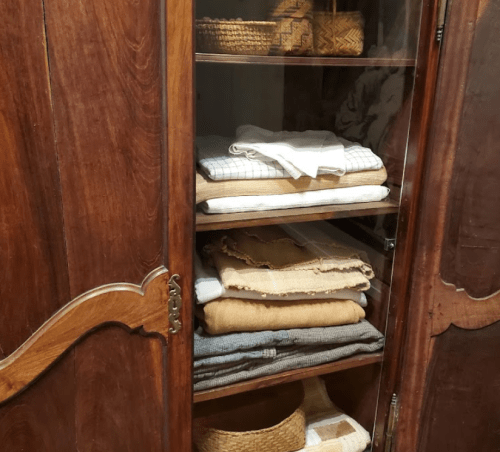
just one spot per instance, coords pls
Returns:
(229, 358)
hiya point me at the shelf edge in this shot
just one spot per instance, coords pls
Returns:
(288, 376)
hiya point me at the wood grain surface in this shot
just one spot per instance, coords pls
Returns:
(208, 222)
(42, 417)
(105, 68)
(470, 256)
(302, 61)
(434, 305)
(34, 275)
(410, 213)
(179, 180)
(133, 306)
(461, 409)
(110, 384)
(106, 74)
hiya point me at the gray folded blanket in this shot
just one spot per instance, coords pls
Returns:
(229, 358)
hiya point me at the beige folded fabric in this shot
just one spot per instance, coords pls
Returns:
(208, 189)
(273, 247)
(236, 274)
(226, 315)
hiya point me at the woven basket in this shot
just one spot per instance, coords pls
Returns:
(294, 31)
(236, 37)
(338, 33)
(259, 421)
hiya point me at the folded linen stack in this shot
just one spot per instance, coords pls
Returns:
(265, 170)
(279, 297)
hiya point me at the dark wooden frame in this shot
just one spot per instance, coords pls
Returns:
(421, 115)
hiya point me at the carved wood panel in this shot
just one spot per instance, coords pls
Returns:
(456, 223)
(471, 246)
(461, 411)
(42, 417)
(143, 307)
(34, 279)
(105, 61)
(31, 227)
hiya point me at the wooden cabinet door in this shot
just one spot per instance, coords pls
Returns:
(450, 385)
(96, 218)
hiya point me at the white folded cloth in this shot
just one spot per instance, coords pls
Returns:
(298, 152)
(349, 195)
(214, 159)
(208, 286)
(327, 427)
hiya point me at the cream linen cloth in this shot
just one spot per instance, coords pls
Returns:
(298, 152)
(208, 286)
(209, 189)
(235, 315)
(334, 196)
(327, 428)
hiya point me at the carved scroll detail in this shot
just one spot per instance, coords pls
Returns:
(134, 306)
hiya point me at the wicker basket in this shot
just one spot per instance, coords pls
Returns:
(338, 33)
(259, 421)
(294, 31)
(236, 37)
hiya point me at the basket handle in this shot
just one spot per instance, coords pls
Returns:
(334, 8)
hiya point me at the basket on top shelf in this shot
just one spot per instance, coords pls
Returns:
(338, 33)
(287, 32)
(293, 28)
(236, 37)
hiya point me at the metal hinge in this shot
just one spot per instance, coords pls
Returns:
(391, 423)
(441, 19)
(389, 244)
(174, 305)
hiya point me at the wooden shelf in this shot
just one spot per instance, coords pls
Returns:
(210, 222)
(365, 359)
(302, 61)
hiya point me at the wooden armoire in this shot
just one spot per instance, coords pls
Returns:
(100, 104)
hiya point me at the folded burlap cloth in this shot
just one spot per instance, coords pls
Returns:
(287, 259)
(226, 315)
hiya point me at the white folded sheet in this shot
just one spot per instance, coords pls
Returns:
(349, 195)
(217, 163)
(208, 286)
(298, 152)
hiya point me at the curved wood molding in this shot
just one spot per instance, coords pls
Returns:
(455, 307)
(135, 306)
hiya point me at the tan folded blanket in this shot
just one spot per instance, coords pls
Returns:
(208, 189)
(236, 274)
(234, 315)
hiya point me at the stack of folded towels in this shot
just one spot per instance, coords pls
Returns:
(278, 298)
(264, 170)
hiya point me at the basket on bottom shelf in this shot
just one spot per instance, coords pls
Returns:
(292, 417)
(268, 420)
